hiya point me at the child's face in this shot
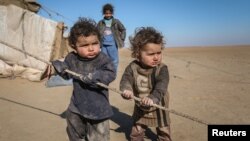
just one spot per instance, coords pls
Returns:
(108, 14)
(151, 55)
(88, 47)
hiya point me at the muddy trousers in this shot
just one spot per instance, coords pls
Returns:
(82, 129)
(163, 134)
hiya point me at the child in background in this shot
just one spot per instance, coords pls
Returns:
(89, 109)
(146, 77)
(113, 33)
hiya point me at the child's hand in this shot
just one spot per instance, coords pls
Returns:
(127, 94)
(147, 101)
(59, 66)
(87, 79)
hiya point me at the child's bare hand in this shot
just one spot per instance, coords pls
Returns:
(147, 101)
(127, 94)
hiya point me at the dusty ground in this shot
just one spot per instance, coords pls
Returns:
(212, 84)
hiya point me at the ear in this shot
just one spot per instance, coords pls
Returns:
(72, 46)
(137, 56)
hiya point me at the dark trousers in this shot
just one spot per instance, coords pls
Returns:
(82, 129)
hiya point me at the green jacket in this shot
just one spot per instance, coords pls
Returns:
(118, 30)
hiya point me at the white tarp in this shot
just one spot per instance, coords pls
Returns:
(28, 32)
(19, 71)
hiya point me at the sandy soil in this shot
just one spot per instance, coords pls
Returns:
(212, 84)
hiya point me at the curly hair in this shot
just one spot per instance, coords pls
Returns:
(107, 7)
(143, 36)
(83, 27)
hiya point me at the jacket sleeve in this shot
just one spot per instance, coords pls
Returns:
(127, 80)
(161, 85)
(99, 25)
(68, 64)
(122, 30)
(106, 73)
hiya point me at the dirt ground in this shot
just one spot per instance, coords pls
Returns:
(211, 84)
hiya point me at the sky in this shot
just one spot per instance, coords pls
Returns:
(182, 22)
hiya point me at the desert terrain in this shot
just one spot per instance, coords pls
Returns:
(209, 83)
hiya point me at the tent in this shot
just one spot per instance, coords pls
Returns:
(30, 5)
(28, 41)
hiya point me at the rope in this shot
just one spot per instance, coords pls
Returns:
(139, 99)
(113, 89)
(49, 11)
